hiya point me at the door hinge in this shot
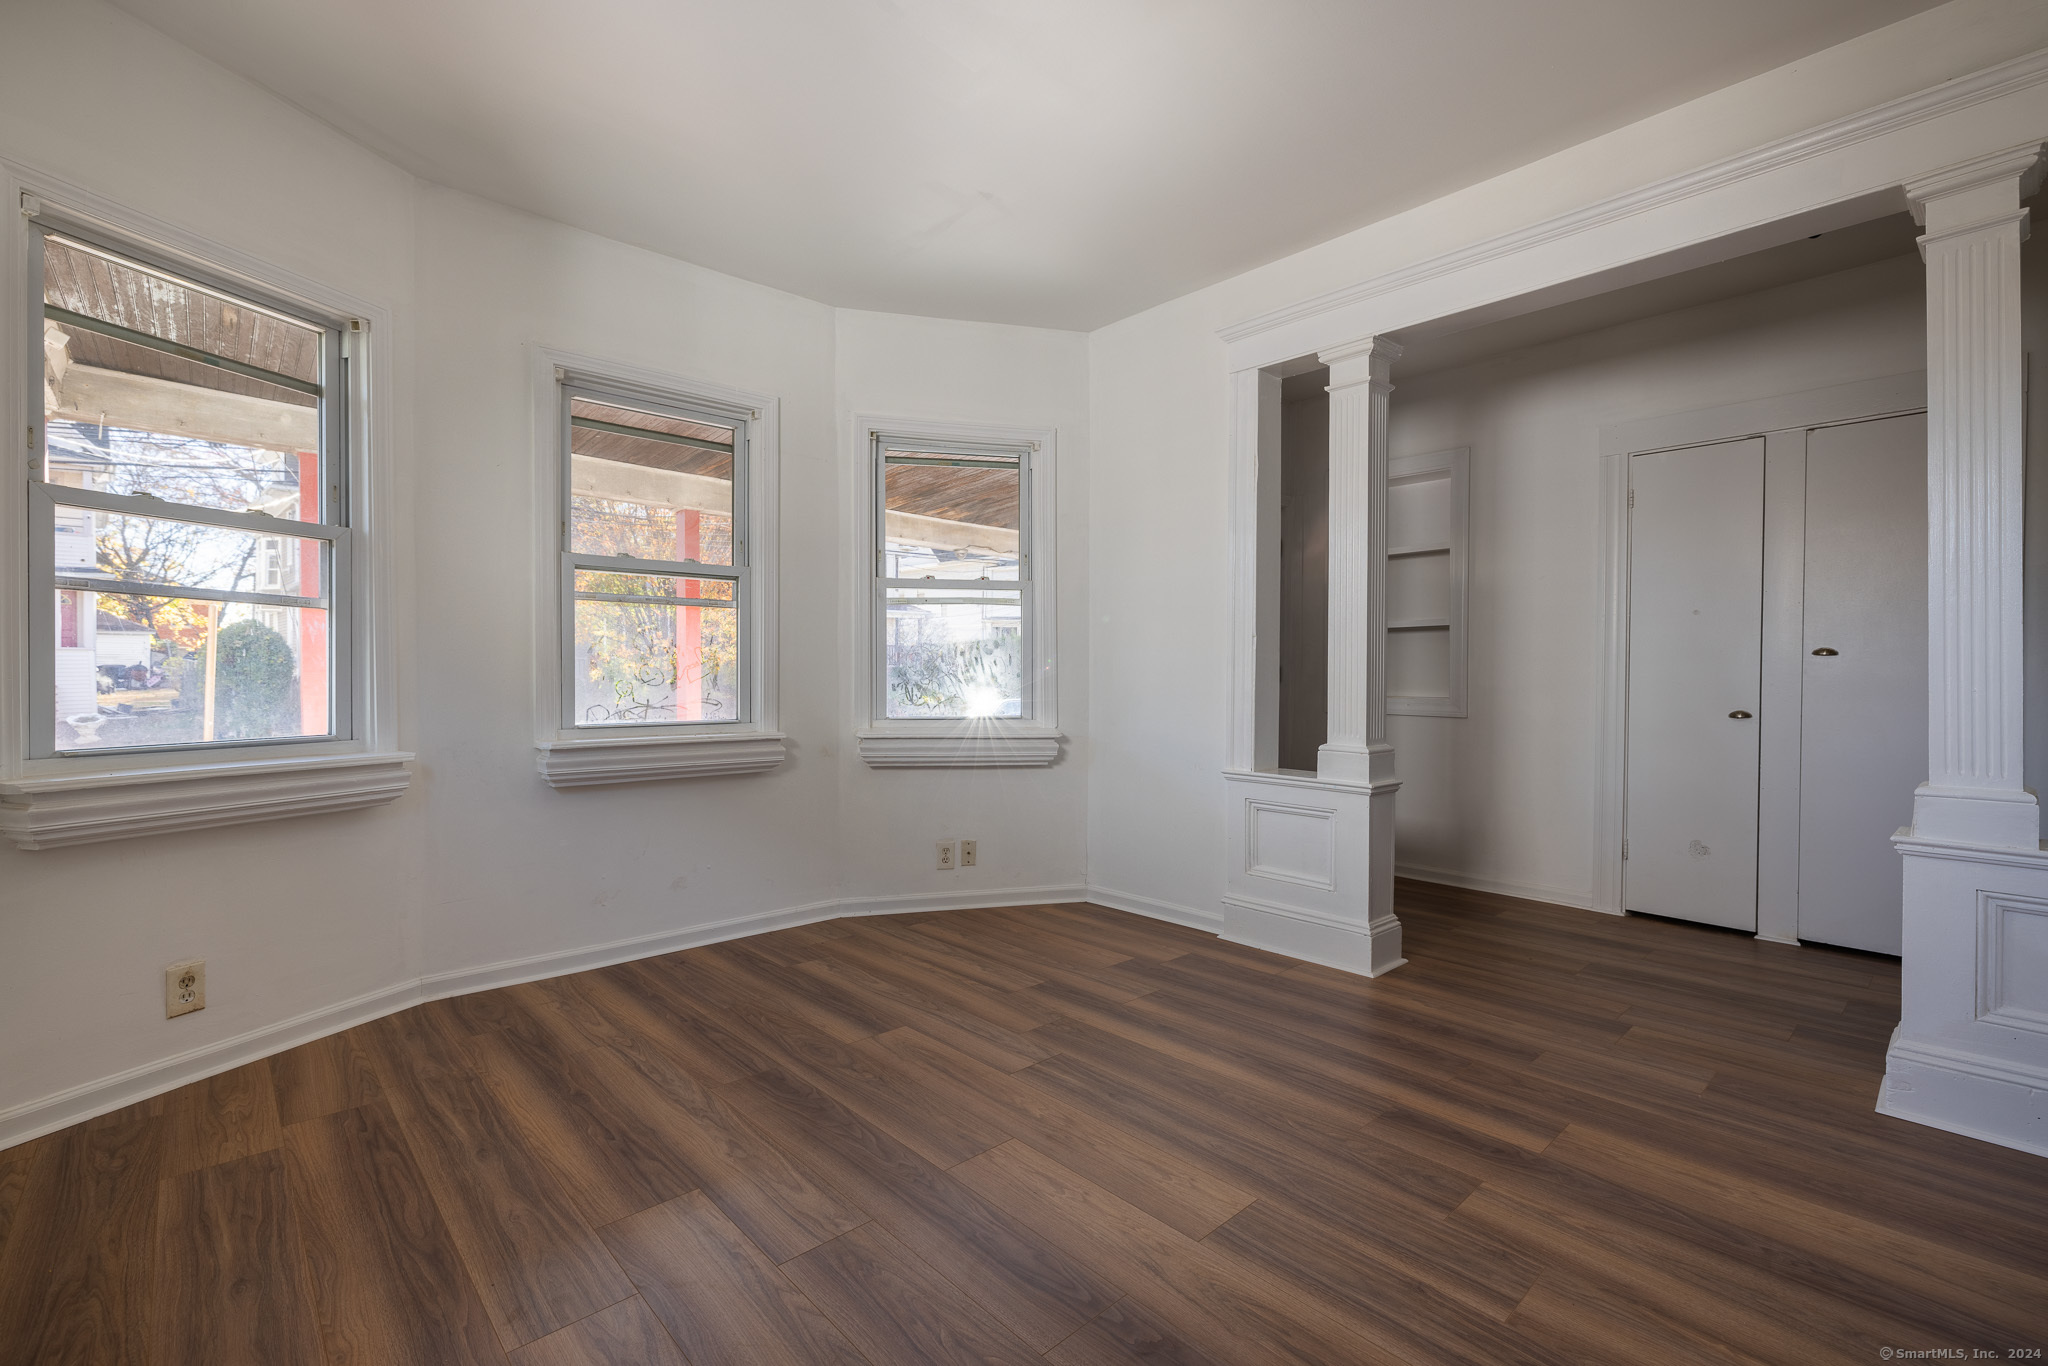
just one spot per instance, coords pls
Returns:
(1631, 497)
(1624, 851)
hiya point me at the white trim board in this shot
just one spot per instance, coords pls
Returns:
(2000, 1101)
(1842, 172)
(1169, 911)
(1472, 882)
(34, 1118)
(46, 1114)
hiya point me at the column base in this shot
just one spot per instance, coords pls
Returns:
(2006, 819)
(1993, 1100)
(1311, 871)
(1356, 763)
(1970, 1054)
(1368, 950)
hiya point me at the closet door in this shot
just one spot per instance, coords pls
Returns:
(1695, 643)
(1863, 713)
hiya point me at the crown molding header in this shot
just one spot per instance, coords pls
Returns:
(2021, 74)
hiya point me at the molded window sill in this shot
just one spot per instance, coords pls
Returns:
(977, 746)
(652, 758)
(85, 808)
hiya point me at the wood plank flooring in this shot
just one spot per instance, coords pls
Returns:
(1054, 1133)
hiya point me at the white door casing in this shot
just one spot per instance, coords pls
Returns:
(1695, 640)
(1864, 705)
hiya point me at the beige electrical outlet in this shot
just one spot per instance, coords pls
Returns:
(184, 988)
(946, 860)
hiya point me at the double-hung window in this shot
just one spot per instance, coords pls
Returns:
(188, 517)
(661, 609)
(654, 564)
(960, 660)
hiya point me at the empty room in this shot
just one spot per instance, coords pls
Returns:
(940, 682)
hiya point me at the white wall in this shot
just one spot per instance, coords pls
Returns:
(481, 863)
(1029, 824)
(1505, 796)
(514, 867)
(293, 915)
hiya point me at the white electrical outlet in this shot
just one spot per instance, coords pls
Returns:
(184, 988)
(946, 861)
(966, 853)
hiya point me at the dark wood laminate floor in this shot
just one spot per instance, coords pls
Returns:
(1062, 1134)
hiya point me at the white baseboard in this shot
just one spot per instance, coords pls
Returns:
(1528, 891)
(956, 901)
(32, 1119)
(46, 1114)
(1994, 1100)
(1212, 921)
(1371, 949)
(510, 972)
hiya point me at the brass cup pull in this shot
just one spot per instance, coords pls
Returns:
(1825, 652)
(1738, 716)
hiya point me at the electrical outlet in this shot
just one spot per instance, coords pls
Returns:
(966, 853)
(946, 861)
(184, 988)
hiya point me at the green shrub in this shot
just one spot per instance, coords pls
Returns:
(255, 685)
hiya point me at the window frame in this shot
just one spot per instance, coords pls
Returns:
(1029, 740)
(329, 524)
(51, 798)
(569, 754)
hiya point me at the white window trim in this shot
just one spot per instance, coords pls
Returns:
(73, 799)
(567, 758)
(1032, 742)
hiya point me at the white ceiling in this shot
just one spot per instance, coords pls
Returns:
(1055, 162)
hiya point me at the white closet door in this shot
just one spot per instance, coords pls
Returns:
(1863, 717)
(1695, 644)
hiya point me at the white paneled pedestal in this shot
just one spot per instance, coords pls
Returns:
(1971, 1051)
(1302, 854)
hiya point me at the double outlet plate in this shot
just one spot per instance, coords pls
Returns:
(184, 988)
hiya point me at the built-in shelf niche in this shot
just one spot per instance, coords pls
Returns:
(1426, 528)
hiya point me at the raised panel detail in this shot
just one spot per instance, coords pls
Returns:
(1291, 843)
(2012, 961)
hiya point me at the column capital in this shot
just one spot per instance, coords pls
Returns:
(1367, 360)
(1987, 187)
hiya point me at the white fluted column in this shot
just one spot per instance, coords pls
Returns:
(1974, 793)
(1355, 747)
(1970, 1054)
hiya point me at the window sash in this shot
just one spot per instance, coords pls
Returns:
(327, 517)
(979, 457)
(738, 573)
(1023, 594)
